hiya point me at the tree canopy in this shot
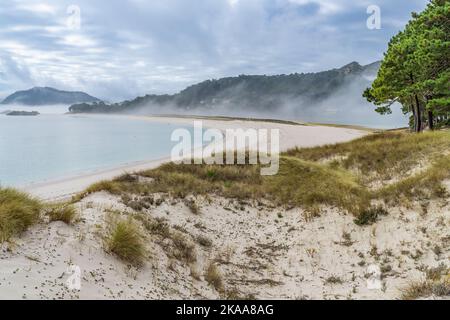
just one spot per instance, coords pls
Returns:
(415, 71)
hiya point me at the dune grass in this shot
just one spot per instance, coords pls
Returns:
(18, 211)
(306, 184)
(425, 185)
(382, 155)
(61, 212)
(425, 289)
(125, 241)
(176, 244)
(340, 175)
(213, 277)
(437, 284)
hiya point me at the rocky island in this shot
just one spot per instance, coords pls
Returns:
(22, 113)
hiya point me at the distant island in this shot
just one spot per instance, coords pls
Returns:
(259, 93)
(39, 96)
(22, 113)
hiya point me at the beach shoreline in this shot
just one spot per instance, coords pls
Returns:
(291, 135)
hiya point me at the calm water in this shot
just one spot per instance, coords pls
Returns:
(48, 147)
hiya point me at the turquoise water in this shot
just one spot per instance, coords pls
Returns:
(49, 147)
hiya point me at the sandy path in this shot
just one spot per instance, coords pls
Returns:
(290, 137)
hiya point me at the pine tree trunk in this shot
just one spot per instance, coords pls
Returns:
(418, 114)
(430, 120)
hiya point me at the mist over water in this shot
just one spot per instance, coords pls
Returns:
(346, 106)
(49, 109)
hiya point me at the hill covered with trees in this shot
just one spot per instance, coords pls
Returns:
(259, 93)
(39, 96)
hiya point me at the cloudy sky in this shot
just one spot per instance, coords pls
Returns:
(122, 49)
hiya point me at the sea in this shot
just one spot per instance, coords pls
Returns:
(51, 146)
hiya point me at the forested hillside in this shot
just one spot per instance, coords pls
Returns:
(260, 93)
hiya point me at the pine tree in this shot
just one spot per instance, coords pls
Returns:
(415, 70)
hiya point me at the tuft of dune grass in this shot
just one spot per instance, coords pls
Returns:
(436, 284)
(426, 289)
(62, 212)
(18, 211)
(125, 241)
(213, 277)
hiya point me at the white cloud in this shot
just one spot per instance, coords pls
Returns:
(78, 40)
(37, 8)
(325, 6)
(233, 2)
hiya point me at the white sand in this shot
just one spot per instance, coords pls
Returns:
(263, 252)
(290, 137)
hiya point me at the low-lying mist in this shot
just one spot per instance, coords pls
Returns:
(49, 109)
(345, 106)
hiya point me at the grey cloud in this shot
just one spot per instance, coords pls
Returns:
(124, 49)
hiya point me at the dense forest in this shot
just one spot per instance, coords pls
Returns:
(415, 71)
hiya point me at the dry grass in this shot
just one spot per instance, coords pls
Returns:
(309, 179)
(381, 156)
(299, 183)
(426, 289)
(179, 246)
(125, 241)
(213, 277)
(306, 184)
(155, 226)
(62, 212)
(370, 215)
(183, 249)
(204, 241)
(427, 184)
(18, 211)
(437, 284)
(193, 207)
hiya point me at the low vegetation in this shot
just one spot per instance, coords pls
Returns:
(183, 249)
(176, 244)
(18, 211)
(351, 176)
(381, 156)
(125, 241)
(370, 215)
(427, 184)
(62, 212)
(436, 284)
(213, 277)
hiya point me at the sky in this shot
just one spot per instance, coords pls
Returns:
(118, 50)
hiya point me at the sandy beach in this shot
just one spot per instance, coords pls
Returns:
(291, 136)
(260, 250)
